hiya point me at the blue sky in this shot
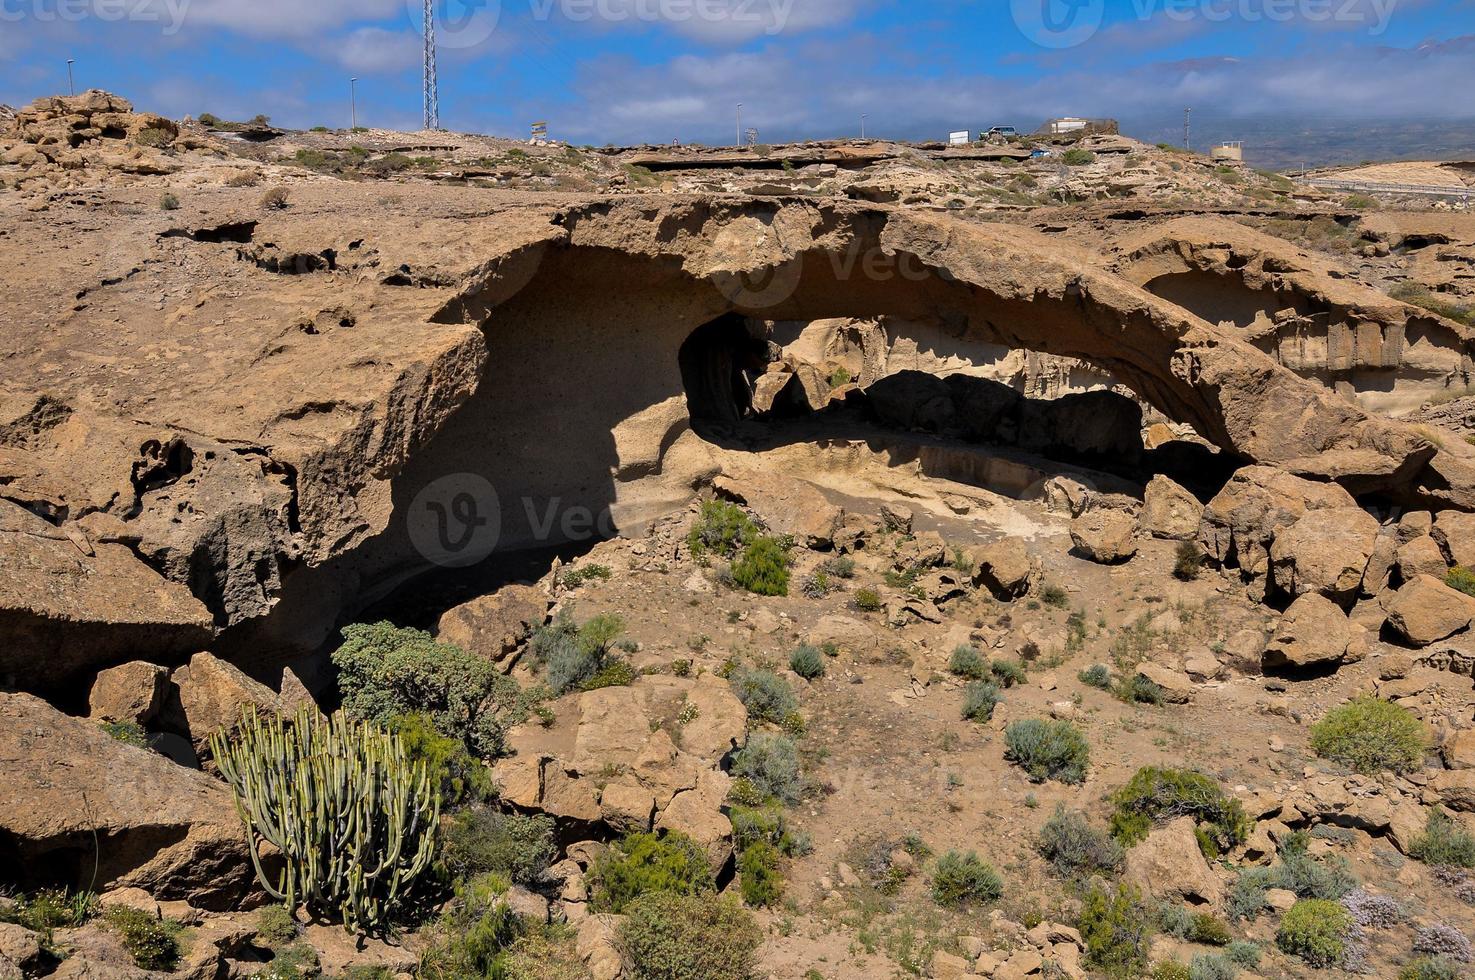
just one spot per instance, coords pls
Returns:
(653, 70)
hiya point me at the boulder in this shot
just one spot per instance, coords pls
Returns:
(1176, 686)
(1455, 532)
(493, 626)
(133, 692)
(1426, 610)
(171, 831)
(1169, 511)
(1005, 568)
(65, 610)
(1458, 750)
(211, 694)
(1107, 537)
(1169, 865)
(784, 505)
(1421, 556)
(1326, 552)
(1242, 521)
(1314, 633)
(646, 755)
(598, 946)
(20, 946)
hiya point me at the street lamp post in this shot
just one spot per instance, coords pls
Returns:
(862, 125)
(353, 101)
(740, 126)
(71, 85)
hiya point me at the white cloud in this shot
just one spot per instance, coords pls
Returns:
(819, 89)
(370, 50)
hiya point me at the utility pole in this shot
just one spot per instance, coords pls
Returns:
(353, 101)
(740, 126)
(862, 125)
(432, 82)
(71, 85)
(1187, 115)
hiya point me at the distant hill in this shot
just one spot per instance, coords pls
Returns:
(1280, 144)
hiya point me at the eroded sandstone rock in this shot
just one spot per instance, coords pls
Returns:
(1104, 536)
(1426, 610)
(1169, 511)
(493, 626)
(171, 831)
(1314, 632)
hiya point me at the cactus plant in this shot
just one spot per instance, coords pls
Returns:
(353, 819)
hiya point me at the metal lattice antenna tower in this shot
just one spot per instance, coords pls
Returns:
(432, 83)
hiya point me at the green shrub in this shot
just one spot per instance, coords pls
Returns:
(1075, 848)
(1316, 930)
(644, 863)
(1115, 927)
(579, 657)
(840, 377)
(967, 662)
(1444, 843)
(1243, 953)
(1461, 578)
(1208, 930)
(1136, 689)
(127, 732)
(763, 568)
(964, 879)
(208, 119)
(1431, 968)
(1370, 736)
(1207, 966)
(1077, 157)
(154, 138)
(689, 937)
(150, 941)
(482, 841)
(1009, 673)
(1169, 970)
(1299, 872)
(808, 662)
(1155, 795)
(1055, 597)
(473, 933)
(1188, 562)
(841, 566)
(574, 578)
(721, 528)
(51, 909)
(275, 198)
(868, 600)
(276, 926)
(979, 701)
(766, 823)
(766, 695)
(384, 671)
(168, 202)
(463, 778)
(298, 961)
(1097, 676)
(761, 883)
(1048, 750)
(771, 763)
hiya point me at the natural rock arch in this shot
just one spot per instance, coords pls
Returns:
(582, 408)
